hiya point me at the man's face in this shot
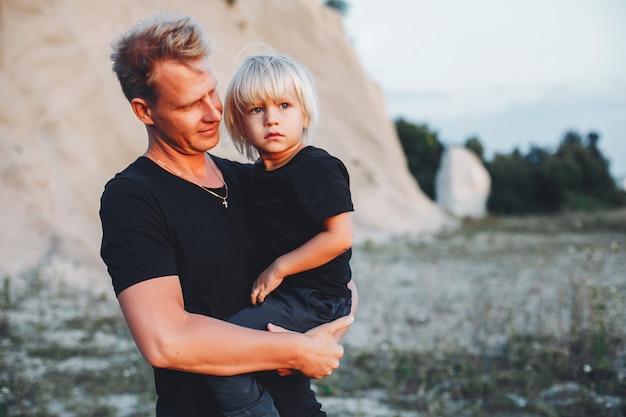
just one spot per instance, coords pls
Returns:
(188, 110)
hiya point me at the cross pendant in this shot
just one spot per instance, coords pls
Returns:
(225, 203)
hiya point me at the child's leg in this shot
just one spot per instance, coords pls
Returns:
(297, 310)
(241, 396)
(292, 394)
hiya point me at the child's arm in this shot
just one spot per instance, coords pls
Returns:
(321, 249)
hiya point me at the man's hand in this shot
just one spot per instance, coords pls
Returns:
(267, 282)
(321, 353)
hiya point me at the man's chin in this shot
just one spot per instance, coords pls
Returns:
(209, 143)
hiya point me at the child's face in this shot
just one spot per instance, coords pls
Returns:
(275, 127)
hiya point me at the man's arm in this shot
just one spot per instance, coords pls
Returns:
(170, 337)
(319, 250)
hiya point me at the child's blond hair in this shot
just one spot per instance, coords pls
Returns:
(267, 77)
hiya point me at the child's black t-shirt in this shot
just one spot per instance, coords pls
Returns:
(290, 204)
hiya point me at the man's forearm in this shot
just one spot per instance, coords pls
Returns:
(170, 337)
(209, 346)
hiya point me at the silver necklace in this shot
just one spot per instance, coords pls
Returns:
(213, 193)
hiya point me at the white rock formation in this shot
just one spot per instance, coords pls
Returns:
(66, 128)
(462, 183)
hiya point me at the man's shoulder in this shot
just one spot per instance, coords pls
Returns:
(136, 168)
(141, 177)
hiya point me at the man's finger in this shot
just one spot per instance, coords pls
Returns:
(277, 329)
(339, 324)
(255, 296)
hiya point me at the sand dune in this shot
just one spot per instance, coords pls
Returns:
(65, 127)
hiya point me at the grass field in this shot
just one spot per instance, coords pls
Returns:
(505, 317)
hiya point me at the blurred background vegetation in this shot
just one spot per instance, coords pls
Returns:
(575, 176)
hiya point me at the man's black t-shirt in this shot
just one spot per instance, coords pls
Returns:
(157, 224)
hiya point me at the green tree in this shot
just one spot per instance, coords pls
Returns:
(585, 173)
(473, 144)
(423, 153)
(340, 5)
(521, 184)
(575, 177)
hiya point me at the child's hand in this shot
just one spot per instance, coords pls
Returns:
(267, 282)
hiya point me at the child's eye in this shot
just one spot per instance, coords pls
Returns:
(256, 110)
(284, 105)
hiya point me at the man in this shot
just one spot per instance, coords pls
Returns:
(177, 240)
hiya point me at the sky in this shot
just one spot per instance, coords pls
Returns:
(514, 73)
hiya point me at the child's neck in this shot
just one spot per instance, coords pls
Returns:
(273, 161)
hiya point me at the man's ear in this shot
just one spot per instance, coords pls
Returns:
(142, 110)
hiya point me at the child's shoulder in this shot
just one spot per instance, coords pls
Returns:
(314, 152)
(314, 158)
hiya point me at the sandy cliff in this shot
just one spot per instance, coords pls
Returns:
(65, 127)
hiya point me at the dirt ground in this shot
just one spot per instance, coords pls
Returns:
(469, 289)
(66, 351)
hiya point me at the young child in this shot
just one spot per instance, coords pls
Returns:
(301, 203)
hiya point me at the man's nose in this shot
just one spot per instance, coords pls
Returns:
(212, 109)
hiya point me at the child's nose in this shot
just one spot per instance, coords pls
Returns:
(270, 116)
